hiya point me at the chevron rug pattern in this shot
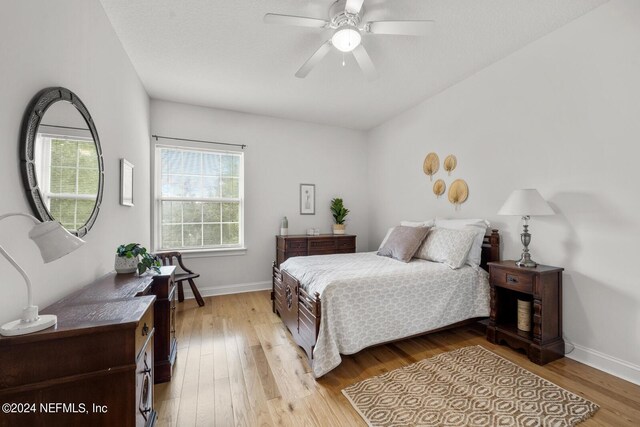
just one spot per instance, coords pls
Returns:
(470, 386)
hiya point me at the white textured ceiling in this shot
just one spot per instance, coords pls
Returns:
(219, 53)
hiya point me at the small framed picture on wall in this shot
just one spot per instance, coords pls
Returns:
(307, 199)
(126, 183)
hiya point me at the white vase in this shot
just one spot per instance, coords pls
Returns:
(124, 265)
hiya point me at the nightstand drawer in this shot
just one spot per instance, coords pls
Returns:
(511, 279)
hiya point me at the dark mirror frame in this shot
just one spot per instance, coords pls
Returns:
(29, 131)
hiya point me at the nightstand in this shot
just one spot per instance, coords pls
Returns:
(543, 286)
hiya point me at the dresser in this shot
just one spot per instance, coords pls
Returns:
(97, 366)
(302, 245)
(542, 286)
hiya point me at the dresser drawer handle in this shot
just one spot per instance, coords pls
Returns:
(145, 330)
(512, 279)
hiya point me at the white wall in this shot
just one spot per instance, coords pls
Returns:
(280, 155)
(561, 115)
(69, 43)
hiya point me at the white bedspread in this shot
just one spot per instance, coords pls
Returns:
(369, 299)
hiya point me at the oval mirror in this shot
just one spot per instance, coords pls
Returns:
(62, 166)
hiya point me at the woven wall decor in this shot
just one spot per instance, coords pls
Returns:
(439, 188)
(458, 193)
(450, 163)
(431, 165)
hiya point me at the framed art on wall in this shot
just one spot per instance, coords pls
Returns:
(126, 183)
(307, 199)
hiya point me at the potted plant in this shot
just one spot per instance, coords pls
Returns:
(134, 257)
(339, 213)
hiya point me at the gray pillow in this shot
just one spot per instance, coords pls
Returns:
(403, 242)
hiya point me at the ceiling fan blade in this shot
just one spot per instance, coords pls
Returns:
(313, 61)
(400, 28)
(353, 6)
(364, 61)
(299, 21)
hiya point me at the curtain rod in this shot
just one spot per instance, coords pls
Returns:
(198, 140)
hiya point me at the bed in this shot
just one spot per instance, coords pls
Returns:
(341, 304)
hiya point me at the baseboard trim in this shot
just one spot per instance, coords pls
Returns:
(604, 362)
(212, 291)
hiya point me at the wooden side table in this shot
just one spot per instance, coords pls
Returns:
(543, 286)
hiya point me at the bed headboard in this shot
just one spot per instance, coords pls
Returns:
(490, 248)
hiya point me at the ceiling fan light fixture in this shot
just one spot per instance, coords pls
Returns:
(346, 38)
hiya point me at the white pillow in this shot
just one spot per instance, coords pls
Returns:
(478, 225)
(427, 223)
(447, 246)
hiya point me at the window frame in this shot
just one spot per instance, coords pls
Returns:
(45, 139)
(156, 200)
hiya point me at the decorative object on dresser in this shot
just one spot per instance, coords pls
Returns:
(339, 213)
(126, 183)
(307, 199)
(167, 258)
(135, 257)
(541, 285)
(103, 354)
(60, 149)
(284, 226)
(54, 242)
(525, 203)
(323, 244)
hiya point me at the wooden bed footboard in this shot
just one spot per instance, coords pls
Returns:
(301, 312)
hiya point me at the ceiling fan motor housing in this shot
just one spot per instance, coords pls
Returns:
(339, 16)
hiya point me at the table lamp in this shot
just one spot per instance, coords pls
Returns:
(54, 242)
(526, 203)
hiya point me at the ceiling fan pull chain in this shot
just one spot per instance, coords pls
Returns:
(343, 61)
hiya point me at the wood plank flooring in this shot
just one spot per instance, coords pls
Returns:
(237, 366)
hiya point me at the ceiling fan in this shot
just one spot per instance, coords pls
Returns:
(345, 18)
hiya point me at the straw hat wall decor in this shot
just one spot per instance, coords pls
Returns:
(439, 188)
(431, 165)
(458, 193)
(450, 163)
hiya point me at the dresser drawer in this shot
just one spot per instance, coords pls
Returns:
(144, 329)
(346, 243)
(321, 244)
(521, 282)
(293, 244)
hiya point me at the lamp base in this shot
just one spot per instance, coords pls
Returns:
(526, 261)
(20, 327)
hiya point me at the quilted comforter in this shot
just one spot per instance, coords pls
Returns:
(368, 299)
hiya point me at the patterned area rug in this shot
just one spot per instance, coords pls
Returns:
(470, 386)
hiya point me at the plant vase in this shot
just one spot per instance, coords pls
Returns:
(338, 228)
(124, 265)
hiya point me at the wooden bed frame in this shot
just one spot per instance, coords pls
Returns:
(301, 312)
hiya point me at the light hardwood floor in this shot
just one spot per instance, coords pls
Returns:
(237, 366)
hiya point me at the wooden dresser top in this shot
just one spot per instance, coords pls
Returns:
(112, 301)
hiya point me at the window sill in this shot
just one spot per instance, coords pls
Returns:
(207, 253)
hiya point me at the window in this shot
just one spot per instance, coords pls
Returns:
(70, 177)
(199, 199)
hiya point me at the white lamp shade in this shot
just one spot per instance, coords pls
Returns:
(526, 202)
(53, 240)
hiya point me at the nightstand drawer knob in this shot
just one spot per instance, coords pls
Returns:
(512, 279)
